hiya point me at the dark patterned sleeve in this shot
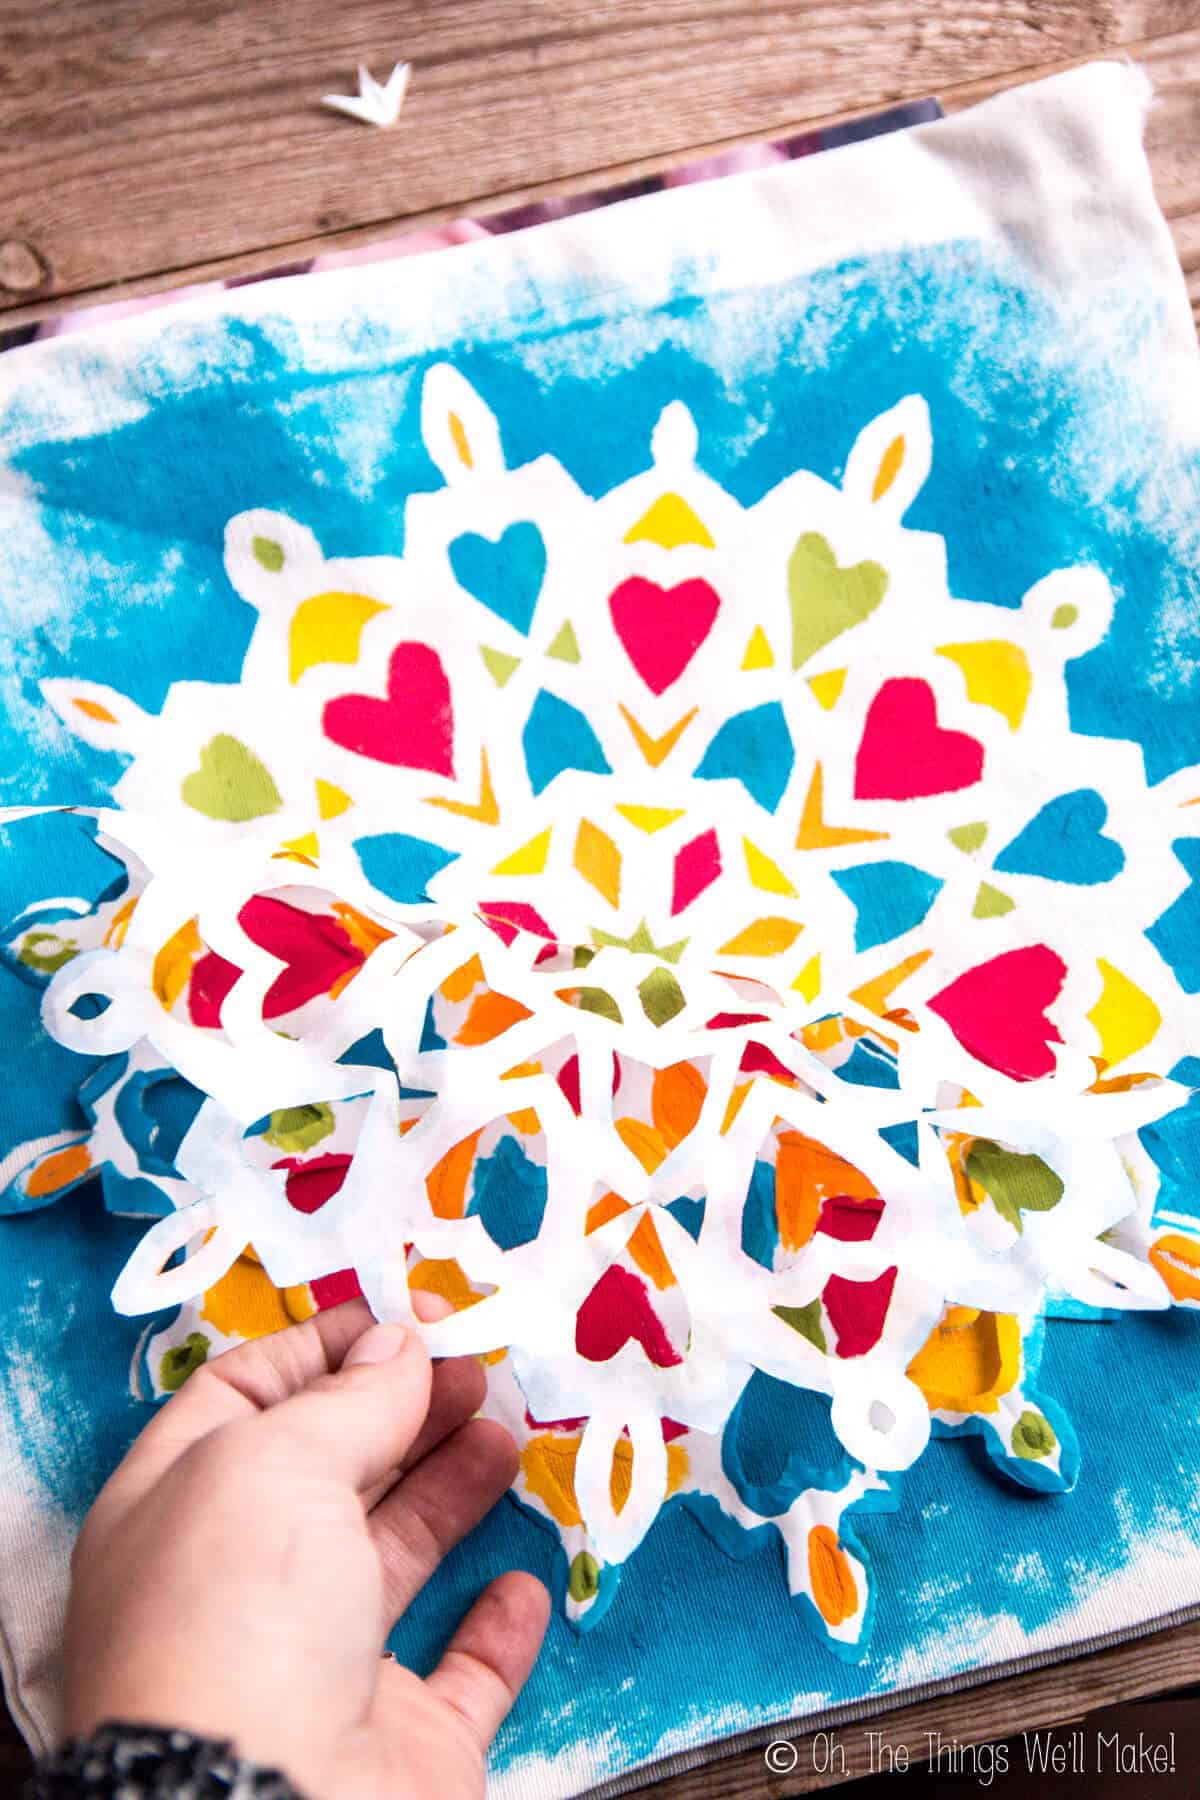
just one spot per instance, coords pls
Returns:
(145, 1762)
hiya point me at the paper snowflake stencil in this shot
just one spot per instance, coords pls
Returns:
(681, 934)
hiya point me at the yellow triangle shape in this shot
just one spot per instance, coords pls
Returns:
(808, 981)
(764, 873)
(331, 800)
(530, 859)
(670, 521)
(302, 849)
(1125, 1018)
(814, 833)
(651, 818)
(827, 688)
(759, 654)
(657, 750)
(485, 809)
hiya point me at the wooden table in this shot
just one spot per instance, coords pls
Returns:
(145, 144)
(148, 143)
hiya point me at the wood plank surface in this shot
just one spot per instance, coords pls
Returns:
(1173, 142)
(148, 142)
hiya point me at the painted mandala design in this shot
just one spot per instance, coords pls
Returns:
(682, 935)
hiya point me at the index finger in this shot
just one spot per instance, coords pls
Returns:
(233, 1386)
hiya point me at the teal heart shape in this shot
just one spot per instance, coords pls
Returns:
(1066, 842)
(506, 573)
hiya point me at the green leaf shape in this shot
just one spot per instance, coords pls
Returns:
(583, 1578)
(566, 645)
(599, 1000)
(230, 783)
(499, 664)
(1015, 1182)
(639, 943)
(969, 838)
(297, 1128)
(182, 1360)
(806, 1320)
(1033, 1436)
(990, 903)
(825, 599)
(661, 996)
(46, 960)
(268, 553)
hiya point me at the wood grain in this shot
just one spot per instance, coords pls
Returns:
(1173, 142)
(1065, 1692)
(146, 142)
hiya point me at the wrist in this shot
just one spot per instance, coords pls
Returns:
(128, 1761)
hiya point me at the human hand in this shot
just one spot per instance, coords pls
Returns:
(239, 1572)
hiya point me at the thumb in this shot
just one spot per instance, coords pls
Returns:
(359, 1421)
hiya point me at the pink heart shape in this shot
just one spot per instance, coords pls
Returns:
(905, 754)
(619, 1308)
(662, 628)
(413, 728)
(997, 1011)
(316, 950)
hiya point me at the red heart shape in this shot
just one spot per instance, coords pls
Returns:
(997, 1011)
(662, 628)
(413, 728)
(905, 754)
(317, 950)
(617, 1309)
(311, 1183)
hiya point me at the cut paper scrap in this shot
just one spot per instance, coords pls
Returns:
(376, 103)
(552, 963)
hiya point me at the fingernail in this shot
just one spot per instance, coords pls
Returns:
(379, 1343)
